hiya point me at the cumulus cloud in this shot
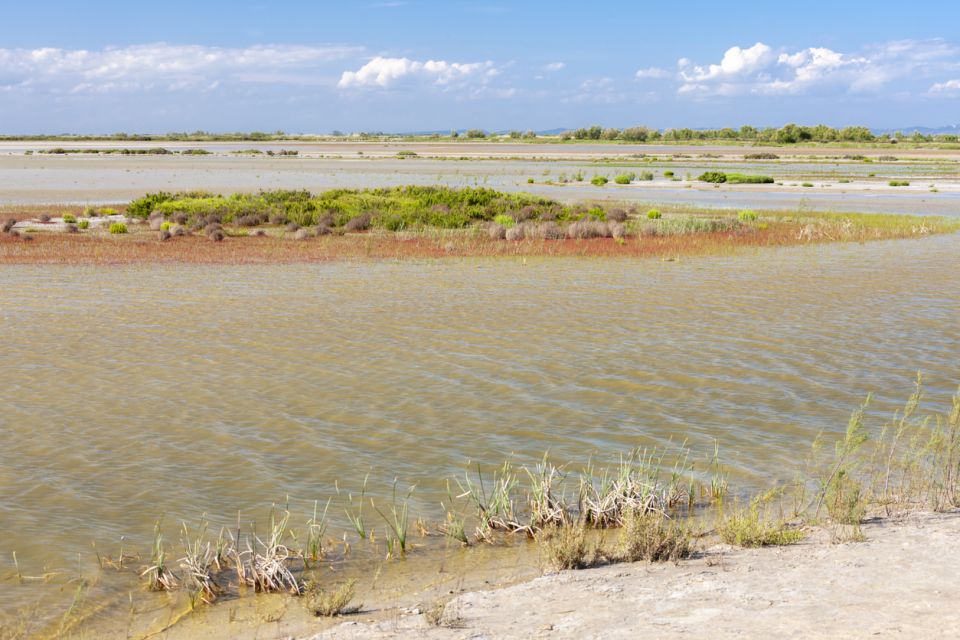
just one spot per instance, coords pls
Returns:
(384, 73)
(761, 70)
(652, 72)
(161, 65)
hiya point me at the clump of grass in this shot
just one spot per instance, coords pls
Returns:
(316, 528)
(546, 508)
(495, 510)
(652, 537)
(747, 216)
(654, 214)
(668, 174)
(566, 547)
(899, 183)
(625, 178)
(117, 228)
(197, 564)
(397, 520)
(330, 603)
(504, 220)
(645, 176)
(159, 577)
(264, 564)
(599, 181)
(69, 218)
(806, 184)
(751, 527)
(83, 224)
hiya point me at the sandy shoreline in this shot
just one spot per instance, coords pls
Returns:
(900, 582)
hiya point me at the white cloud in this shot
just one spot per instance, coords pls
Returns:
(735, 62)
(555, 66)
(162, 66)
(652, 72)
(387, 72)
(946, 87)
(761, 70)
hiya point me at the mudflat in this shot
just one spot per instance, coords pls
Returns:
(900, 582)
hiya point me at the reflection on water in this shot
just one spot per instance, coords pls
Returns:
(133, 392)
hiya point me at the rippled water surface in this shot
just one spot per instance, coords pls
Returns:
(133, 392)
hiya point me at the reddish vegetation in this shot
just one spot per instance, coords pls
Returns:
(50, 248)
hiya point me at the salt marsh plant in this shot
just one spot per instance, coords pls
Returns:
(331, 602)
(751, 526)
(599, 181)
(397, 519)
(264, 565)
(197, 565)
(625, 178)
(118, 228)
(316, 528)
(653, 537)
(654, 214)
(355, 516)
(495, 510)
(159, 577)
(567, 546)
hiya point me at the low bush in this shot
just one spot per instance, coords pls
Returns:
(69, 218)
(899, 183)
(624, 178)
(599, 181)
(646, 176)
(504, 220)
(118, 227)
(806, 184)
(654, 214)
(83, 224)
(761, 156)
(747, 216)
(716, 177)
(668, 174)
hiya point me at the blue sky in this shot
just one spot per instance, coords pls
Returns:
(424, 65)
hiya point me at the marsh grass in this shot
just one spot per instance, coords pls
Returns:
(753, 526)
(331, 602)
(653, 537)
(568, 546)
(397, 519)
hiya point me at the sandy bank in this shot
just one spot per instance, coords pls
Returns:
(901, 582)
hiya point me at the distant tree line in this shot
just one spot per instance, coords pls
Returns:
(787, 134)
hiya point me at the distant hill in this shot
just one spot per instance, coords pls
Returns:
(927, 131)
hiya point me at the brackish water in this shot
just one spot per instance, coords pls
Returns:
(135, 392)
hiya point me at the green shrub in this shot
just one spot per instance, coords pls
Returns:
(90, 212)
(597, 213)
(654, 214)
(504, 220)
(118, 227)
(529, 180)
(624, 178)
(599, 181)
(807, 184)
(108, 212)
(739, 178)
(69, 218)
(716, 177)
(668, 174)
(646, 176)
(166, 225)
(83, 224)
(747, 216)
(899, 183)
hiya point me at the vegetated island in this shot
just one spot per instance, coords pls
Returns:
(411, 221)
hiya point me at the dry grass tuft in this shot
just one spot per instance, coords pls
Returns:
(336, 602)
